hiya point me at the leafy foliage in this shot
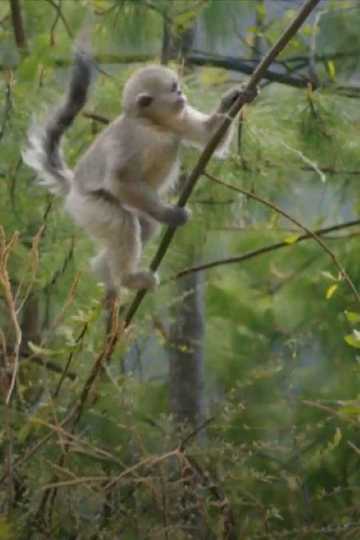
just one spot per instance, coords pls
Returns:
(280, 453)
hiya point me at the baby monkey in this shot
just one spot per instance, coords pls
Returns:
(115, 191)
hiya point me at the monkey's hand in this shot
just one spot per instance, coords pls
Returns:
(175, 216)
(139, 196)
(235, 94)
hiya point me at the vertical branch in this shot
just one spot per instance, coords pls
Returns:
(18, 25)
(259, 27)
(5, 250)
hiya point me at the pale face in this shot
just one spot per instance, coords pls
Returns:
(166, 95)
(172, 96)
(155, 92)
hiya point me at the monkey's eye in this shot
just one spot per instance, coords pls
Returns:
(174, 86)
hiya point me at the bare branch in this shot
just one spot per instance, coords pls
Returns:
(307, 231)
(248, 67)
(266, 249)
(97, 117)
(7, 105)
(60, 15)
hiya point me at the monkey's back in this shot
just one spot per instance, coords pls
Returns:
(90, 170)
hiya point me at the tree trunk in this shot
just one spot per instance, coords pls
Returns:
(186, 375)
(18, 25)
(176, 46)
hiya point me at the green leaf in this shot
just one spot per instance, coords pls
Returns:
(331, 290)
(328, 275)
(350, 410)
(352, 316)
(331, 70)
(353, 339)
(292, 238)
(41, 351)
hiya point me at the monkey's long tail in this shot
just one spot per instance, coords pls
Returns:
(43, 152)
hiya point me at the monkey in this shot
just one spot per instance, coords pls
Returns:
(115, 190)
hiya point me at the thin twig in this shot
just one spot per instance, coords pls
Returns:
(97, 117)
(193, 434)
(65, 372)
(35, 448)
(282, 212)
(50, 366)
(247, 67)
(5, 283)
(263, 250)
(57, 7)
(52, 29)
(7, 104)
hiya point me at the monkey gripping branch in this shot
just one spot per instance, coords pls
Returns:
(212, 145)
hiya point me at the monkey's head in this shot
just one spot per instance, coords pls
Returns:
(154, 92)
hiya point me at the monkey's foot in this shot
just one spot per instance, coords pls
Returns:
(175, 216)
(141, 280)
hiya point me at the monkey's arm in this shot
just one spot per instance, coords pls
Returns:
(199, 128)
(136, 194)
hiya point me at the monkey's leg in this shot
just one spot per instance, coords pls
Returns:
(118, 231)
(123, 253)
(100, 268)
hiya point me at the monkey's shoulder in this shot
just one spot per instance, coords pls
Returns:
(140, 131)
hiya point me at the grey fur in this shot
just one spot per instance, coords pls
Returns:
(43, 152)
(114, 192)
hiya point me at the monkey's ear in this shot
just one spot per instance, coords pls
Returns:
(144, 100)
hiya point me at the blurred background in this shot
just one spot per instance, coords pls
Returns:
(230, 406)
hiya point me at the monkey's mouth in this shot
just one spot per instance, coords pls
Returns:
(181, 102)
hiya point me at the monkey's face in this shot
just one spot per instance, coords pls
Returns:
(164, 96)
(157, 93)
